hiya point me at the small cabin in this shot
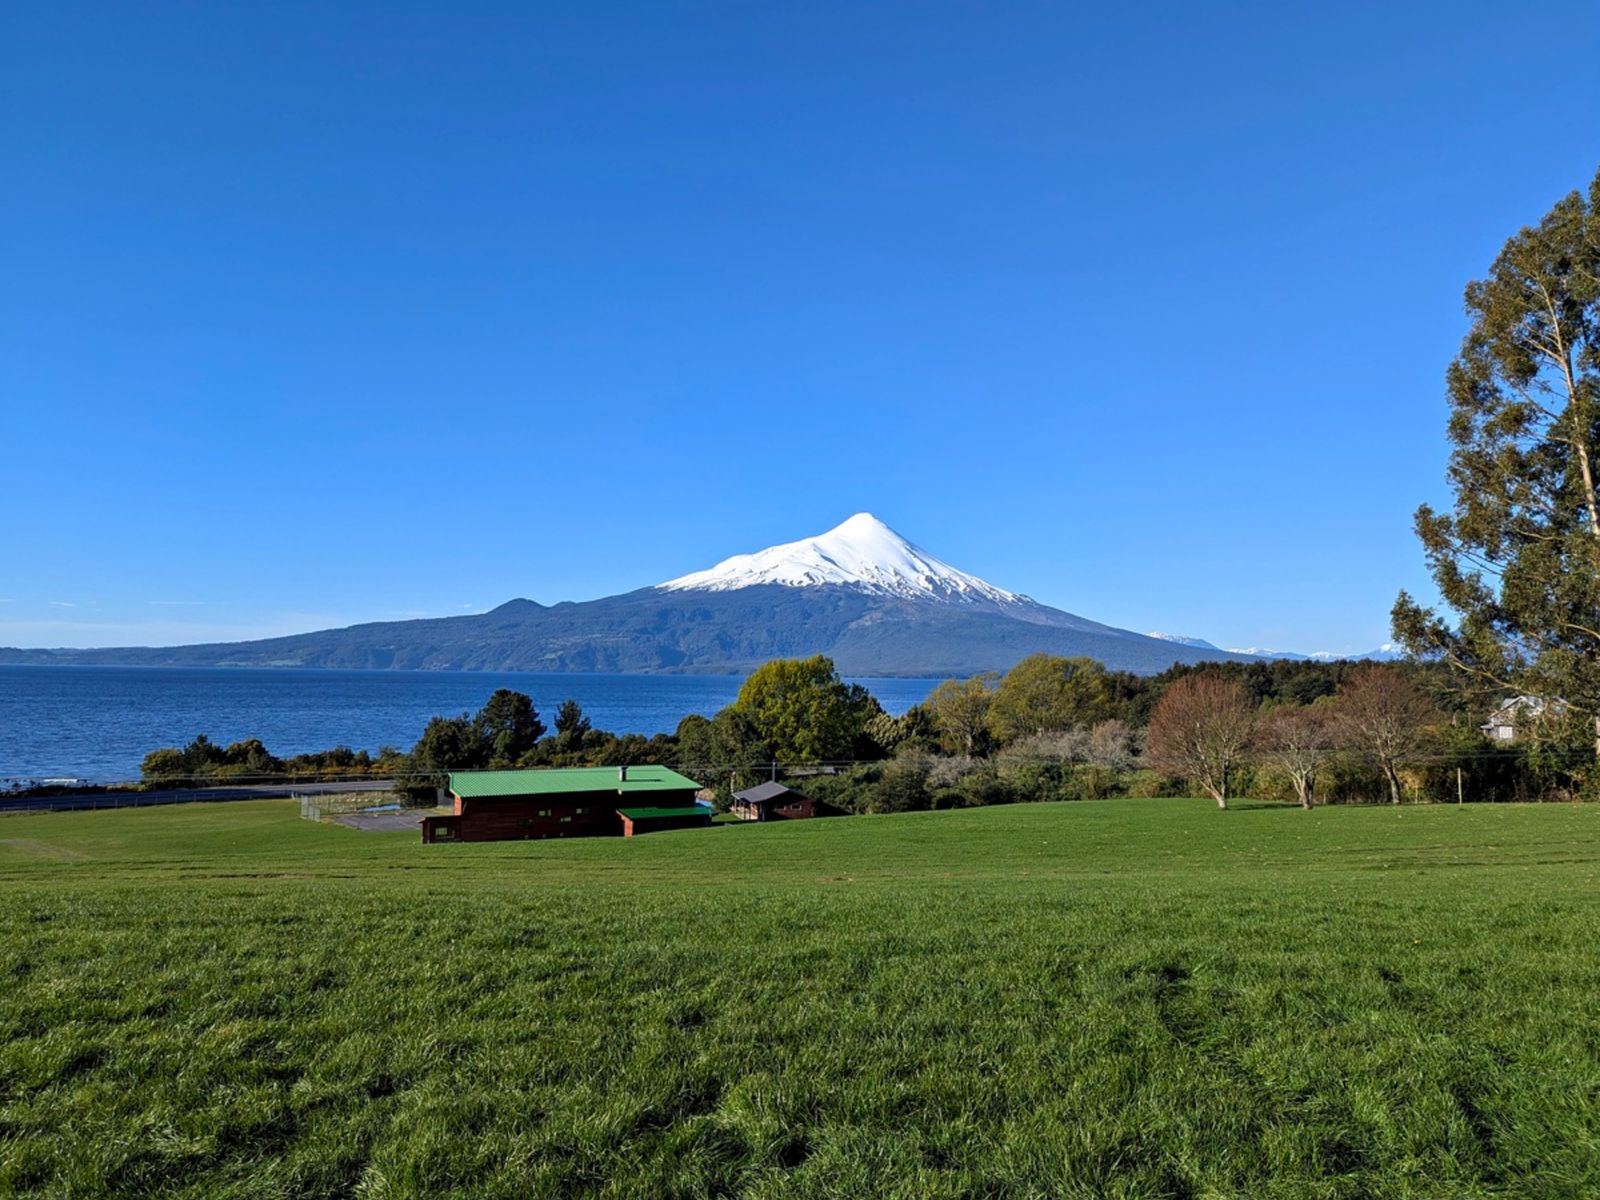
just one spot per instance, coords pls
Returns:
(497, 806)
(777, 802)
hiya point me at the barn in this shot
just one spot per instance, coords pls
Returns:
(775, 802)
(495, 806)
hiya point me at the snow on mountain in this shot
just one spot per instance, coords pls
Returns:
(1265, 652)
(1180, 639)
(863, 553)
(1387, 652)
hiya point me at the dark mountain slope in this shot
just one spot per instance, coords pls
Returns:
(653, 630)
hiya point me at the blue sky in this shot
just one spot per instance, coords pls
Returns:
(321, 313)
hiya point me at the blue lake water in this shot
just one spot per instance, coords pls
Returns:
(98, 722)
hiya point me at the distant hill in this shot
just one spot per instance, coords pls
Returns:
(878, 605)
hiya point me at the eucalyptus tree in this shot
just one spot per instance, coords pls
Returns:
(1517, 558)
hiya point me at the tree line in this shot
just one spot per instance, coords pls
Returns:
(1048, 729)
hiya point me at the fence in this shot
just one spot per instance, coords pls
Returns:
(43, 802)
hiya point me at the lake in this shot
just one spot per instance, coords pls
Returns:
(98, 722)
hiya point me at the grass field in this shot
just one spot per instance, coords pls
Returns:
(1129, 998)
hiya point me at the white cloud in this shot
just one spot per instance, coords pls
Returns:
(178, 603)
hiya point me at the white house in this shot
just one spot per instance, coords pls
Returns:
(1517, 714)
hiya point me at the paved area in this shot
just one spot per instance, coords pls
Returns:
(404, 821)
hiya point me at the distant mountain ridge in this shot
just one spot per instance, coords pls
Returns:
(860, 593)
(1387, 652)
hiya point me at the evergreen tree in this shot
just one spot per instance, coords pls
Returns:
(509, 726)
(571, 724)
(450, 744)
(1517, 559)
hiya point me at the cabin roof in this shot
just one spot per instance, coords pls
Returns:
(561, 780)
(764, 791)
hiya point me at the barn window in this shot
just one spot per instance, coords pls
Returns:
(565, 820)
(544, 812)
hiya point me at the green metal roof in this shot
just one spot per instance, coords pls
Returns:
(565, 780)
(657, 814)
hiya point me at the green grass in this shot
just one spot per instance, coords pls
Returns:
(1130, 998)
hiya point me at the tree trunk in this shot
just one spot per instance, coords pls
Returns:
(1302, 785)
(1394, 784)
(1219, 794)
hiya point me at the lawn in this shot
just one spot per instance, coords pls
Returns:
(1128, 998)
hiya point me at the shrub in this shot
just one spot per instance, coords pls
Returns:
(903, 784)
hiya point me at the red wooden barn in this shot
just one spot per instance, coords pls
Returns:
(493, 806)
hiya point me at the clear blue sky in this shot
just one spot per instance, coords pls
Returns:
(316, 313)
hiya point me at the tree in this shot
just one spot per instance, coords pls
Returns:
(1517, 559)
(959, 709)
(1110, 746)
(885, 735)
(1382, 715)
(739, 755)
(165, 766)
(695, 744)
(450, 744)
(1297, 739)
(1042, 694)
(1201, 729)
(571, 724)
(509, 725)
(903, 785)
(802, 711)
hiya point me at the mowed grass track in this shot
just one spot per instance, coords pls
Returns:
(1130, 998)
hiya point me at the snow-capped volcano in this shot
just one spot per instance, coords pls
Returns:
(860, 594)
(861, 553)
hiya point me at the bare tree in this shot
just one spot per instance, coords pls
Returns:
(1382, 716)
(1201, 729)
(1110, 746)
(1062, 747)
(1297, 739)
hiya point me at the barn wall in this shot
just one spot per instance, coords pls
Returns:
(517, 818)
(641, 827)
